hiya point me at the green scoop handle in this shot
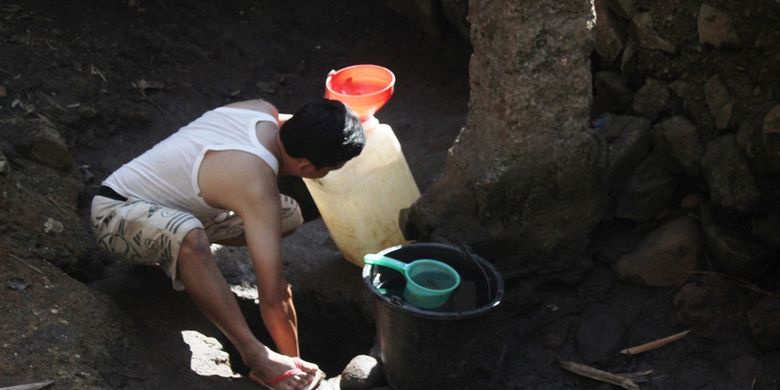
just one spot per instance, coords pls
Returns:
(385, 261)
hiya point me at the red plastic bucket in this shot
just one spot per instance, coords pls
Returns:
(363, 88)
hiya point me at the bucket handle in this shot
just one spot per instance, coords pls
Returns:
(470, 254)
(385, 261)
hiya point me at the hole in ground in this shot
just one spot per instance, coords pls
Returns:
(331, 330)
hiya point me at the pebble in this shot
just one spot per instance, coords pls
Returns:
(362, 372)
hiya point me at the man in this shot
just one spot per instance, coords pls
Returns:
(215, 181)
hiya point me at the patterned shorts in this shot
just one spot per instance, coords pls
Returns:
(142, 232)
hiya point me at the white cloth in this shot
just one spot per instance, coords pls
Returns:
(167, 174)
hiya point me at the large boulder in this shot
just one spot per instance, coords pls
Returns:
(524, 169)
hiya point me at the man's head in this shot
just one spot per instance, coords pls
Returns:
(324, 132)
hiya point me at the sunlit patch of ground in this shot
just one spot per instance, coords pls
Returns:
(208, 358)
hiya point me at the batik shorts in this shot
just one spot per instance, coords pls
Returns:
(142, 232)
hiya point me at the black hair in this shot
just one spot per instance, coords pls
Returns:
(323, 131)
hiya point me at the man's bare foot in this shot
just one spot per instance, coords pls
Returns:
(279, 372)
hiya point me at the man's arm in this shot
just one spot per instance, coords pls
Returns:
(243, 183)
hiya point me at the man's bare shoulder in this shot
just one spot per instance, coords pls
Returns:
(257, 105)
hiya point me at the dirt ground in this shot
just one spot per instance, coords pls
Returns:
(114, 79)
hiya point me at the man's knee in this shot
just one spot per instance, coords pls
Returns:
(194, 246)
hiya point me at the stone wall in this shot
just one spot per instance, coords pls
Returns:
(651, 138)
(686, 100)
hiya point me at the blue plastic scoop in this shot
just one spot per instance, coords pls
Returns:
(429, 283)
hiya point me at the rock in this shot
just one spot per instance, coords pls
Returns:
(765, 228)
(330, 384)
(36, 139)
(456, 12)
(361, 373)
(646, 193)
(647, 36)
(614, 238)
(611, 87)
(4, 167)
(597, 284)
(600, 334)
(132, 117)
(629, 61)
(608, 38)
(728, 175)
(713, 308)
(715, 27)
(651, 99)
(627, 150)
(3, 92)
(665, 257)
(687, 97)
(555, 334)
(691, 201)
(53, 226)
(47, 147)
(677, 142)
(87, 113)
(764, 319)
(624, 8)
(719, 101)
(208, 358)
(770, 135)
(732, 251)
(745, 133)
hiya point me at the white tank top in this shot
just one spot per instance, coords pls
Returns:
(167, 174)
